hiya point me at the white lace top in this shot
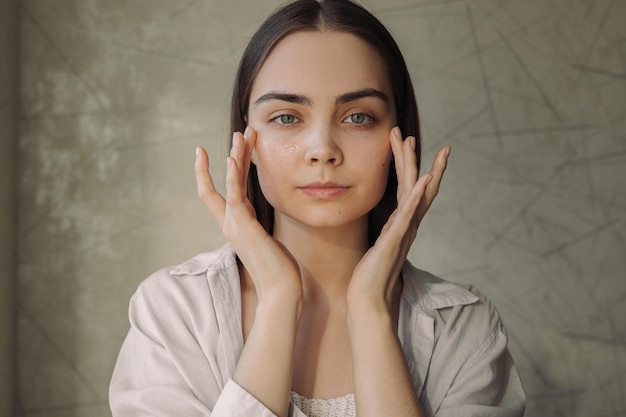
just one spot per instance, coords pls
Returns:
(333, 407)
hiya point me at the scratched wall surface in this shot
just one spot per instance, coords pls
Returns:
(8, 212)
(531, 95)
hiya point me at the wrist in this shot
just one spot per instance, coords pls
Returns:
(368, 303)
(368, 312)
(375, 298)
(279, 305)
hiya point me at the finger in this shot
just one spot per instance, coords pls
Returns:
(439, 167)
(206, 190)
(240, 224)
(395, 137)
(403, 220)
(410, 165)
(250, 137)
(440, 164)
(238, 153)
(412, 211)
(238, 148)
(400, 231)
(415, 197)
(240, 227)
(235, 194)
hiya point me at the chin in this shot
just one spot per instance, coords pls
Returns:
(325, 219)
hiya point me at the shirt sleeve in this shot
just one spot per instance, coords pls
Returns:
(487, 383)
(167, 368)
(147, 383)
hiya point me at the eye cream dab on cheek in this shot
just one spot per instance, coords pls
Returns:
(286, 151)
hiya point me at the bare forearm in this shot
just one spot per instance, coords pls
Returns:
(382, 380)
(266, 364)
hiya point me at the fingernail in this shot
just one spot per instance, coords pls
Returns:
(413, 142)
(197, 151)
(246, 132)
(397, 133)
(447, 153)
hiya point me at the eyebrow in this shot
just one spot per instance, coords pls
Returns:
(366, 92)
(306, 101)
(290, 98)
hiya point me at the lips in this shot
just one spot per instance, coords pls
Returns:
(324, 190)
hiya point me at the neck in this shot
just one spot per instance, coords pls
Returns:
(326, 256)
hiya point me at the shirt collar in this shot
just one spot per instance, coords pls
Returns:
(219, 259)
(427, 292)
(422, 289)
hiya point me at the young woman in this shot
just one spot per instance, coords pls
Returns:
(312, 308)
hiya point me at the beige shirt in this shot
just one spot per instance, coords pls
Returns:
(185, 340)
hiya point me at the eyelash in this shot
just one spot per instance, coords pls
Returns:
(369, 120)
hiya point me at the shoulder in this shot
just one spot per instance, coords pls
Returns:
(190, 275)
(458, 349)
(189, 288)
(459, 311)
(428, 292)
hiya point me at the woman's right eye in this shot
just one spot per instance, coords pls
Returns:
(285, 119)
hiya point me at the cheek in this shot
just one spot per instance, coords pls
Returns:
(285, 151)
(273, 163)
(382, 158)
(271, 151)
(377, 164)
(382, 176)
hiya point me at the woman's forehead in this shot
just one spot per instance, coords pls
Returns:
(321, 63)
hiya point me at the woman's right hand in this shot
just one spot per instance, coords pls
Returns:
(270, 265)
(265, 365)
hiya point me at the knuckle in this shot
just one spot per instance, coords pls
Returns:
(203, 193)
(233, 200)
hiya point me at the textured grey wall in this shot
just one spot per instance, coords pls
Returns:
(8, 203)
(531, 95)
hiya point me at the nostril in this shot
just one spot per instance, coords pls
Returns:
(319, 155)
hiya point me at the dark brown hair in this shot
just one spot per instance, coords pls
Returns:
(327, 15)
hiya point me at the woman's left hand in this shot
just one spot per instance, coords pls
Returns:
(377, 274)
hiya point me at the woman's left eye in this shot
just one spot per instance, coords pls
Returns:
(359, 119)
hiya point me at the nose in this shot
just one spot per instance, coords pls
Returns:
(322, 147)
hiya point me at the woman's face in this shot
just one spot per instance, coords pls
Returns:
(322, 107)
